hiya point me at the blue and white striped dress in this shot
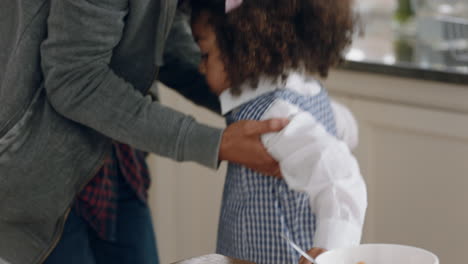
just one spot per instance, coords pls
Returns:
(257, 209)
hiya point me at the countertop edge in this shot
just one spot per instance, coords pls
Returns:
(406, 72)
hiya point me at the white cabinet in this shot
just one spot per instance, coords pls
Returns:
(413, 154)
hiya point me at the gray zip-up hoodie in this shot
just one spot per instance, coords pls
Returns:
(73, 74)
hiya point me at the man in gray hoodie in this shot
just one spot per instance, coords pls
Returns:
(74, 75)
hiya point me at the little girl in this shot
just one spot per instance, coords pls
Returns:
(260, 57)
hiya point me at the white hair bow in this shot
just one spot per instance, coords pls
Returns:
(232, 4)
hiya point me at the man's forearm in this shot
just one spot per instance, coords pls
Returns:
(82, 87)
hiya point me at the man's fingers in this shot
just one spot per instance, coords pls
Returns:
(277, 174)
(268, 167)
(302, 260)
(266, 126)
(241, 144)
(271, 167)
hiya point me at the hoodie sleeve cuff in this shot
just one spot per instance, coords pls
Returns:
(332, 234)
(201, 144)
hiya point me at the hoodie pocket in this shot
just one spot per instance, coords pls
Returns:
(17, 134)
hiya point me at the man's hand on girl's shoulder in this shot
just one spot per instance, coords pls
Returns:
(241, 144)
(314, 253)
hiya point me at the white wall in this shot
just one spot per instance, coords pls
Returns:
(185, 198)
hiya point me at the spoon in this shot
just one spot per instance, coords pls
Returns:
(298, 249)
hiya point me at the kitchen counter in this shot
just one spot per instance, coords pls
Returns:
(213, 259)
(384, 49)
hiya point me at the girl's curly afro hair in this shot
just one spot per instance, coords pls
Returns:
(270, 37)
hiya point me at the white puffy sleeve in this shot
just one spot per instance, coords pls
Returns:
(315, 162)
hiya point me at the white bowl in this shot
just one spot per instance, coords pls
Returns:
(378, 254)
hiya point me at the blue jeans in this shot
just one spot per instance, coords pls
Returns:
(135, 241)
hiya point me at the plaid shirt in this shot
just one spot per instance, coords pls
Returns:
(98, 201)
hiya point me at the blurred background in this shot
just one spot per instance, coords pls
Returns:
(406, 81)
